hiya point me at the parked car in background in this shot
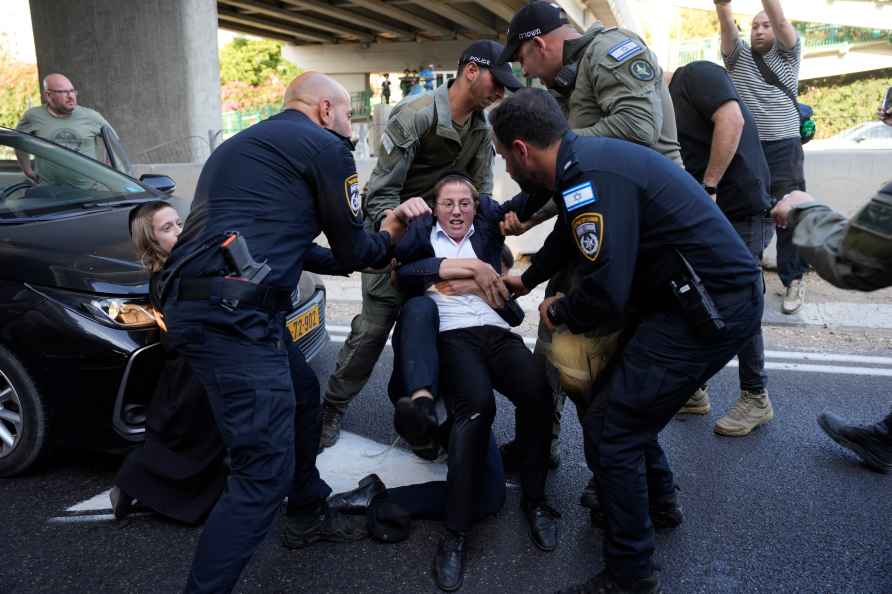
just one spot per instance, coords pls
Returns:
(868, 135)
(79, 350)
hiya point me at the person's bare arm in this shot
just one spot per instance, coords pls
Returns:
(458, 287)
(24, 160)
(728, 120)
(783, 30)
(483, 275)
(727, 26)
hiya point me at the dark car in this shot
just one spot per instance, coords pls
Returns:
(79, 351)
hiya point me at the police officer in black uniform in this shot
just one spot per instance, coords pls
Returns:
(650, 243)
(261, 199)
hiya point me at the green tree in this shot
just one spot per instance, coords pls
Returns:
(253, 74)
(845, 101)
(19, 89)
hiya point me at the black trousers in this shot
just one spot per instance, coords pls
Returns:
(659, 368)
(473, 362)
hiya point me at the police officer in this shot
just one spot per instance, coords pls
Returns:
(609, 84)
(850, 254)
(426, 136)
(647, 241)
(276, 185)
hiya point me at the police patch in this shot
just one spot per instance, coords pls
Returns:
(642, 70)
(579, 196)
(588, 231)
(351, 190)
(624, 50)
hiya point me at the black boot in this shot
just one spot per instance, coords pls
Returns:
(415, 420)
(449, 563)
(873, 444)
(359, 499)
(603, 583)
(320, 524)
(665, 513)
(121, 502)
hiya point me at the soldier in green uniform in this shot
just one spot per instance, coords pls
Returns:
(426, 136)
(609, 83)
(850, 254)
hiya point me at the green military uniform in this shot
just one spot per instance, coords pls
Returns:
(851, 254)
(420, 144)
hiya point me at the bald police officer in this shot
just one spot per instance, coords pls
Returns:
(272, 188)
(851, 254)
(649, 243)
(608, 83)
(426, 136)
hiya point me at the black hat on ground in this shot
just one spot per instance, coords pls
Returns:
(533, 20)
(486, 54)
(387, 522)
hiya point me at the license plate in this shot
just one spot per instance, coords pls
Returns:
(304, 323)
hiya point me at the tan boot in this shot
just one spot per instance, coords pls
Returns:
(750, 411)
(698, 403)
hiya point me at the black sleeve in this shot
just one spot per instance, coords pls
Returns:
(340, 210)
(415, 277)
(321, 260)
(551, 257)
(708, 87)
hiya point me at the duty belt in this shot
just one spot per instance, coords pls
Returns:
(232, 293)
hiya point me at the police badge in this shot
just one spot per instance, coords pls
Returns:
(588, 231)
(351, 190)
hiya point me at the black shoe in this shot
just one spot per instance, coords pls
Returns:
(449, 563)
(604, 584)
(121, 502)
(415, 420)
(359, 499)
(665, 513)
(331, 426)
(544, 526)
(322, 525)
(872, 444)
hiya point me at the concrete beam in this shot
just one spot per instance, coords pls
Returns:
(286, 15)
(403, 16)
(497, 7)
(349, 16)
(377, 57)
(258, 32)
(456, 16)
(265, 25)
(851, 13)
(575, 12)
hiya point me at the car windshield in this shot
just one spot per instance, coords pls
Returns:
(64, 180)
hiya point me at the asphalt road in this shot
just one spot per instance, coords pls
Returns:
(783, 510)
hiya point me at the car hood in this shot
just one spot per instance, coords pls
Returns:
(89, 251)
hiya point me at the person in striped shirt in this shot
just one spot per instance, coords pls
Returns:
(775, 41)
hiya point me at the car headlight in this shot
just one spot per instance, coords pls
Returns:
(120, 312)
(127, 313)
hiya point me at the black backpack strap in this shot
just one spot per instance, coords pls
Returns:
(771, 78)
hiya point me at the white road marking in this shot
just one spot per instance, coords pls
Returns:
(342, 466)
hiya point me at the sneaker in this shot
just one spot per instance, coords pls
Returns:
(751, 410)
(326, 526)
(872, 444)
(698, 403)
(794, 297)
(331, 426)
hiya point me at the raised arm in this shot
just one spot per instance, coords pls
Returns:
(730, 35)
(783, 31)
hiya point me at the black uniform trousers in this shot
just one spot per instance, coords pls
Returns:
(252, 394)
(659, 368)
(473, 362)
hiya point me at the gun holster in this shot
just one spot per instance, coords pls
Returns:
(694, 301)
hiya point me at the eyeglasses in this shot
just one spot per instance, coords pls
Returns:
(464, 205)
(62, 91)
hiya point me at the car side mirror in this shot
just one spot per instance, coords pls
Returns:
(162, 183)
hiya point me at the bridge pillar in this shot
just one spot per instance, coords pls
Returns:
(150, 67)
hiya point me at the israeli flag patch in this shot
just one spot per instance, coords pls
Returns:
(579, 196)
(625, 50)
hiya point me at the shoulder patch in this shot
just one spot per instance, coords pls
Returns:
(579, 196)
(624, 50)
(642, 70)
(351, 192)
(588, 231)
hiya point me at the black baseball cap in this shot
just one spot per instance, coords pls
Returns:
(486, 54)
(533, 20)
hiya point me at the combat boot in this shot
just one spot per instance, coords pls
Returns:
(873, 444)
(331, 426)
(321, 524)
(751, 410)
(698, 403)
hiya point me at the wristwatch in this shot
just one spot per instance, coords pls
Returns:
(711, 190)
(554, 314)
